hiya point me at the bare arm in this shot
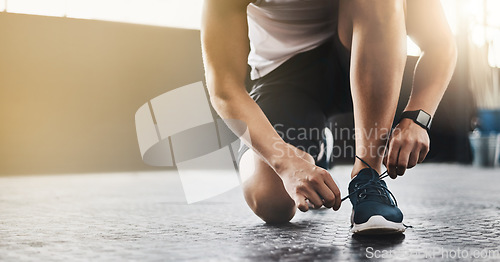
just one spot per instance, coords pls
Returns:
(225, 49)
(428, 27)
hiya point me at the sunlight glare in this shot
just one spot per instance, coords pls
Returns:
(37, 7)
(172, 13)
(412, 49)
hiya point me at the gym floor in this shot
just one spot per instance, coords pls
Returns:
(453, 211)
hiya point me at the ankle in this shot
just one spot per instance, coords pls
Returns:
(358, 166)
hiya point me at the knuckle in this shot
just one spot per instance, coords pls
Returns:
(330, 199)
(317, 180)
(392, 156)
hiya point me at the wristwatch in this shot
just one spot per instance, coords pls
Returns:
(420, 117)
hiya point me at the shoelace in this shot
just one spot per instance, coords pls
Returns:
(375, 183)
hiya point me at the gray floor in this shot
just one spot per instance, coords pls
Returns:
(454, 211)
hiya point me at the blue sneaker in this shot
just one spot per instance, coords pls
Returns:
(375, 210)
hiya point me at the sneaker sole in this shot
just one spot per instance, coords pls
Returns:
(378, 225)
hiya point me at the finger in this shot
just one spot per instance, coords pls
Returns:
(404, 156)
(330, 183)
(314, 198)
(302, 203)
(384, 160)
(392, 159)
(327, 195)
(413, 160)
(423, 154)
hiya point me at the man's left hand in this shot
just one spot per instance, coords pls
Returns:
(408, 145)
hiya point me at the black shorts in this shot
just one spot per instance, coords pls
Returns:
(300, 95)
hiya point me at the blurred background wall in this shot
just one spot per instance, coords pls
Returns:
(70, 83)
(69, 89)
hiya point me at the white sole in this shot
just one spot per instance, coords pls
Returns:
(378, 225)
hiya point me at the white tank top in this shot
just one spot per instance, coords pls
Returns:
(280, 29)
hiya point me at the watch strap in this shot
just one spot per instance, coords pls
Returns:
(420, 117)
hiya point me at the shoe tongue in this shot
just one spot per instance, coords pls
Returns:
(364, 176)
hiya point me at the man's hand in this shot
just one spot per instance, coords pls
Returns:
(304, 181)
(408, 145)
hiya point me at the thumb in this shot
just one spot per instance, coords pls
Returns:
(302, 204)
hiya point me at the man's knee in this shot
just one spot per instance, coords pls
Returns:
(269, 204)
(274, 213)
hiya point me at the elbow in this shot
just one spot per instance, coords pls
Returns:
(216, 92)
(218, 99)
(446, 49)
(224, 89)
(222, 97)
(454, 53)
(449, 50)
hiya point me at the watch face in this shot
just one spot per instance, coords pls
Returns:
(423, 118)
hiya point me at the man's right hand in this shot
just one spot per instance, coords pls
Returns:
(304, 181)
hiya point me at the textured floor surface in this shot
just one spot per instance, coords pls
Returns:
(454, 211)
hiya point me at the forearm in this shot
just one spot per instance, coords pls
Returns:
(428, 27)
(432, 76)
(263, 139)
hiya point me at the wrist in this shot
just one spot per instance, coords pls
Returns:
(419, 117)
(405, 123)
(286, 158)
(279, 156)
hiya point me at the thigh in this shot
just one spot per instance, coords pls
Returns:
(296, 97)
(297, 119)
(303, 93)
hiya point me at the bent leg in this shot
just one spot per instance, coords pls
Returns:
(292, 98)
(375, 33)
(264, 191)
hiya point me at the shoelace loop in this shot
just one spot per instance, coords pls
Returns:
(382, 190)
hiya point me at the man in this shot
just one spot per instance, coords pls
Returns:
(311, 59)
